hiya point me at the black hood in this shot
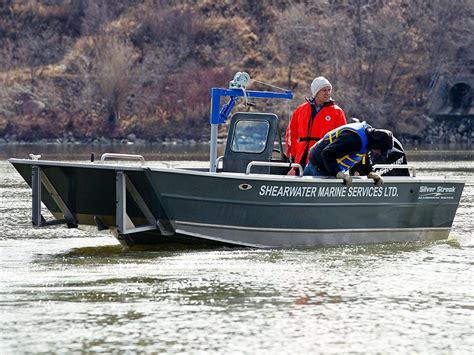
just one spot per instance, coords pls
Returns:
(380, 139)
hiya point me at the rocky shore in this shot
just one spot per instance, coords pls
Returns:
(448, 131)
(458, 132)
(443, 131)
(131, 139)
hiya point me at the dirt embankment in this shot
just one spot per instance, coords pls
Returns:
(87, 71)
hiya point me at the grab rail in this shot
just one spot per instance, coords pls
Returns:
(268, 163)
(218, 160)
(123, 157)
(411, 168)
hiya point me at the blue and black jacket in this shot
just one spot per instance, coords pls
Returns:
(341, 148)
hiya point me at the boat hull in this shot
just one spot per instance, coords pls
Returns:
(267, 237)
(253, 210)
(260, 211)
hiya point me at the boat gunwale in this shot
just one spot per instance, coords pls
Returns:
(232, 175)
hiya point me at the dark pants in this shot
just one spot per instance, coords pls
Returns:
(312, 170)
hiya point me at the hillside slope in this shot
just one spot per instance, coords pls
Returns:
(87, 69)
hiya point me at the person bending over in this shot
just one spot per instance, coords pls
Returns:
(340, 149)
(395, 156)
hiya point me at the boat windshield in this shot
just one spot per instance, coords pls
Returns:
(250, 136)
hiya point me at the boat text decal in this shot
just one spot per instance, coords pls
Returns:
(436, 192)
(328, 191)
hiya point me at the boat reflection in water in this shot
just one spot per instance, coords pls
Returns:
(244, 198)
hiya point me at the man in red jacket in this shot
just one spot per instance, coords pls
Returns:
(311, 121)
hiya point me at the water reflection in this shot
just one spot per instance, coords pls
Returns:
(83, 152)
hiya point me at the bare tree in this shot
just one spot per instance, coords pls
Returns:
(7, 56)
(95, 17)
(331, 40)
(35, 51)
(294, 30)
(166, 38)
(113, 71)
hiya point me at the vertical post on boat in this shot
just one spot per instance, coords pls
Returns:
(214, 120)
(36, 198)
(213, 153)
(121, 207)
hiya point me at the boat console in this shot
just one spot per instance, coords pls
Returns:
(253, 137)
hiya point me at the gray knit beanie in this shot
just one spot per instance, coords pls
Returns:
(319, 83)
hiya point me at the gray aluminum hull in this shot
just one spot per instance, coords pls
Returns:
(254, 210)
(276, 211)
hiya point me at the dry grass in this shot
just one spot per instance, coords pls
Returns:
(153, 66)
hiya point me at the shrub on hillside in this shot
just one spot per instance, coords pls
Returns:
(178, 106)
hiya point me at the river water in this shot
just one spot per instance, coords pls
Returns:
(67, 291)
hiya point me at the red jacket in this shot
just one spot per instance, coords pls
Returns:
(298, 140)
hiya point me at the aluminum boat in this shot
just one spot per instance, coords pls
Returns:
(244, 198)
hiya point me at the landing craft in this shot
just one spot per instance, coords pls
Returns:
(244, 198)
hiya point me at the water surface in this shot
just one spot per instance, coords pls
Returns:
(64, 290)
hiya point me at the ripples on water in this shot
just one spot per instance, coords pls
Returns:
(63, 290)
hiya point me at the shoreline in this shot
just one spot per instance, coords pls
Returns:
(409, 144)
(447, 134)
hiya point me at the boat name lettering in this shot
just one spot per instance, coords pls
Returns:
(436, 192)
(399, 161)
(328, 191)
(288, 191)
